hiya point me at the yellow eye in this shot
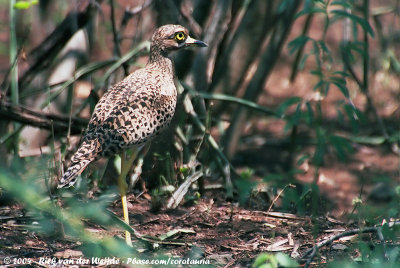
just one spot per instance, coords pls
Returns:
(180, 36)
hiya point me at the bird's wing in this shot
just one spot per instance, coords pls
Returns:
(128, 122)
(130, 113)
(129, 85)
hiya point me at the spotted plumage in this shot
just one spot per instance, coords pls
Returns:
(137, 108)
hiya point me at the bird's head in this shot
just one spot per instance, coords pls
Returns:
(172, 37)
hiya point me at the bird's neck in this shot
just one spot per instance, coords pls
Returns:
(161, 62)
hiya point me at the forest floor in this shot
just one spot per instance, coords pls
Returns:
(226, 235)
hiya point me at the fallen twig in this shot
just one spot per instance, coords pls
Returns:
(310, 254)
(178, 195)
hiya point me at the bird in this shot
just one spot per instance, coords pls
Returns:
(133, 111)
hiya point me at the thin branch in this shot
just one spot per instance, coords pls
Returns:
(300, 51)
(116, 39)
(187, 14)
(6, 82)
(117, 49)
(246, 19)
(268, 60)
(362, 84)
(28, 116)
(204, 63)
(366, 54)
(129, 13)
(278, 195)
(44, 54)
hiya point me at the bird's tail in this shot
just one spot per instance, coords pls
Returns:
(80, 160)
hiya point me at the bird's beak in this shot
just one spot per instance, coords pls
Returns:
(191, 42)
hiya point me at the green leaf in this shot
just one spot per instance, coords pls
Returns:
(22, 5)
(394, 62)
(342, 75)
(227, 98)
(295, 171)
(314, 10)
(342, 87)
(286, 104)
(354, 115)
(285, 261)
(244, 186)
(367, 140)
(265, 260)
(360, 115)
(318, 157)
(317, 72)
(361, 21)
(247, 173)
(317, 54)
(343, 3)
(25, 4)
(294, 119)
(323, 46)
(184, 170)
(303, 61)
(320, 85)
(261, 259)
(325, 88)
(274, 177)
(340, 116)
(395, 137)
(302, 159)
(309, 115)
(341, 145)
(298, 43)
(278, 260)
(358, 47)
(283, 6)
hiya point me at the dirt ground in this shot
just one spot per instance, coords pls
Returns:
(226, 235)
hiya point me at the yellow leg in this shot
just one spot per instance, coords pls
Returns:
(123, 187)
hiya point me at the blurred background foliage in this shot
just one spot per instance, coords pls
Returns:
(285, 90)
